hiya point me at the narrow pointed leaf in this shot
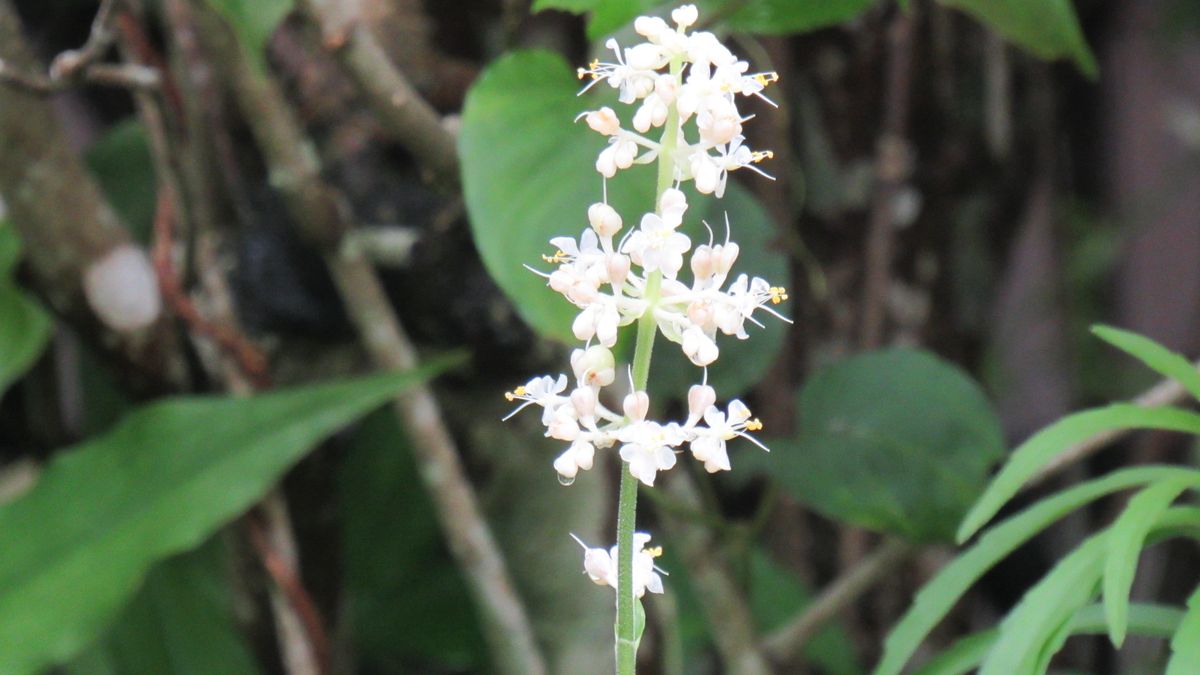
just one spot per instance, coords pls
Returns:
(938, 596)
(1048, 29)
(967, 653)
(1045, 445)
(1126, 540)
(77, 546)
(1162, 360)
(1185, 643)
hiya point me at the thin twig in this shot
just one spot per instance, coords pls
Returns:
(323, 216)
(76, 66)
(786, 642)
(892, 167)
(405, 116)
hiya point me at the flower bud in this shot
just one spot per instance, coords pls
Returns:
(699, 347)
(685, 15)
(583, 399)
(604, 121)
(606, 163)
(604, 219)
(702, 261)
(650, 26)
(700, 398)
(673, 204)
(701, 314)
(618, 269)
(594, 367)
(644, 57)
(667, 88)
(724, 256)
(565, 464)
(636, 405)
(563, 425)
(599, 566)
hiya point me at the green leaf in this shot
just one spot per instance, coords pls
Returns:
(1162, 360)
(24, 325)
(967, 653)
(1185, 642)
(941, 593)
(898, 441)
(529, 175)
(778, 17)
(78, 544)
(1039, 615)
(180, 623)
(121, 163)
(404, 598)
(604, 16)
(1048, 29)
(255, 22)
(1127, 536)
(1044, 446)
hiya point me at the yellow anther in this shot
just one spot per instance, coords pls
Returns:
(778, 294)
(766, 78)
(581, 73)
(519, 391)
(754, 425)
(654, 552)
(508, 396)
(558, 257)
(760, 156)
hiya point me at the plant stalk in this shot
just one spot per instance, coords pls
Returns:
(647, 329)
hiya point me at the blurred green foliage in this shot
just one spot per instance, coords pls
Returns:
(24, 325)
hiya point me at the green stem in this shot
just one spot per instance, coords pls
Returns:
(647, 328)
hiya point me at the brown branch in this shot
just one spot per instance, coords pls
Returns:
(892, 168)
(786, 642)
(405, 116)
(283, 574)
(323, 218)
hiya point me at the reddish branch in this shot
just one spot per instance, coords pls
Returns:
(251, 360)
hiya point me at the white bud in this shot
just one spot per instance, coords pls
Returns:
(583, 399)
(701, 314)
(673, 204)
(606, 163)
(644, 57)
(650, 26)
(594, 366)
(604, 121)
(624, 153)
(724, 257)
(565, 464)
(700, 398)
(636, 405)
(604, 219)
(122, 289)
(699, 347)
(667, 88)
(618, 269)
(685, 15)
(701, 261)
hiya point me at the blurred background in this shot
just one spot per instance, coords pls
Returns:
(221, 198)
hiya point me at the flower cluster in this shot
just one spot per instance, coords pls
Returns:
(687, 83)
(715, 77)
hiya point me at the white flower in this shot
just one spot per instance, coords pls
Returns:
(698, 347)
(648, 448)
(580, 455)
(544, 391)
(673, 204)
(657, 246)
(594, 366)
(601, 565)
(742, 299)
(712, 172)
(619, 154)
(600, 320)
(604, 121)
(604, 219)
(708, 446)
(700, 398)
(684, 16)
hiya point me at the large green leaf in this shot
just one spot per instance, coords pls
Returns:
(254, 21)
(179, 623)
(941, 593)
(1043, 446)
(1162, 360)
(1127, 537)
(1185, 643)
(897, 441)
(1049, 29)
(967, 653)
(529, 175)
(77, 545)
(24, 325)
(604, 16)
(405, 601)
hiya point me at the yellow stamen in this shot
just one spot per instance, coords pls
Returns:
(558, 257)
(766, 78)
(654, 552)
(515, 393)
(754, 425)
(778, 294)
(760, 156)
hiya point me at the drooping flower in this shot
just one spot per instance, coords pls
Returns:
(601, 565)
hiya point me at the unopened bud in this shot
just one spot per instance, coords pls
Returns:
(604, 121)
(604, 219)
(584, 401)
(618, 269)
(700, 398)
(636, 405)
(595, 366)
(702, 261)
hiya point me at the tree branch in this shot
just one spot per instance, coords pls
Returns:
(324, 218)
(405, 116)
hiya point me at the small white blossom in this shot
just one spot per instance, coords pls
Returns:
(648, 448)
(657, 246)
(601, 565)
